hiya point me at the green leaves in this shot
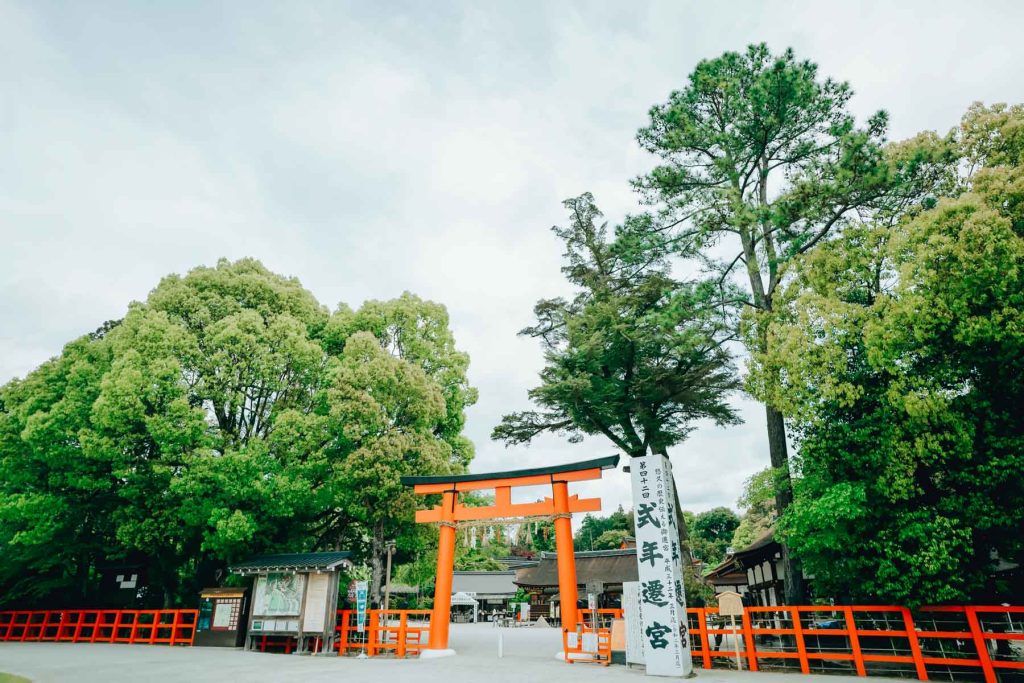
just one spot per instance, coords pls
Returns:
(635, 356)
(227, 415)
(898, 354)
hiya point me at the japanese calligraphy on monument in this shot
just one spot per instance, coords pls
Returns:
(666, 644)
(278, 595)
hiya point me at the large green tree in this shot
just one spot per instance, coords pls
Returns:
(635, 355)
(902, 352)
(227, 415)
(711, 534)
(594, 527)
(762, 161)
(757, 503)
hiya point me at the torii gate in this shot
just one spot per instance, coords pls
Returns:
(560, 506)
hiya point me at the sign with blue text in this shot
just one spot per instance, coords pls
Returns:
(666, 642)
(362, 588)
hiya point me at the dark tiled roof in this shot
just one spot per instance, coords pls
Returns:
(730, 570)
(292, 562)
(603, 463)
(513, 562)
(606, 566)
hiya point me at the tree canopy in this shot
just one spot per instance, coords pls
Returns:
(634, 356)
(227, 415)
(900, 350)
(762, 160)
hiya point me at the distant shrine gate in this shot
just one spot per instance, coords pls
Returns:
(560, 506)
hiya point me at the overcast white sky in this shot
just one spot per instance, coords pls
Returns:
(370, 148)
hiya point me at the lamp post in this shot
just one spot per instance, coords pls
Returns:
(390, 548)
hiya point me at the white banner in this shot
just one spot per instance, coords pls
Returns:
(663, 603)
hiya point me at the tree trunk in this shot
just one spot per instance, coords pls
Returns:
(168, 597)
(792, 573)
(376, 563)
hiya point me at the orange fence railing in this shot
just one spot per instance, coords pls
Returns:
(605, 616)
(151, 627)
(592, 637)
(399, 632)
(951, 643)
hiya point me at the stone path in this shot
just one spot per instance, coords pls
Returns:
(529, 657)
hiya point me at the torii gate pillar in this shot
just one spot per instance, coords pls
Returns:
(560, 506)
(567, 588)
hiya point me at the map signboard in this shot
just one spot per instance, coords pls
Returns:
(278, 595)
(666, 643)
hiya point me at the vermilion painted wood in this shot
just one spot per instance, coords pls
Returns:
(168, 627)
(177, 627)
(380, 636)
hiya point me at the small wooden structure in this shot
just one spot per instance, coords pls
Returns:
(223, 616)
(295, 595)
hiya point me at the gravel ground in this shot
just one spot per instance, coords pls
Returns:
(529, 657)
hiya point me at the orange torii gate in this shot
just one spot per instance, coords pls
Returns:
(450, 512)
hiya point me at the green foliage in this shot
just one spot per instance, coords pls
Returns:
(635, 356)
(761, 162)
(758, 505)
(711, 534)
(901, 354)
(611, 539)
(474, 560)
(593, 529)
(228, 415)
(542, 536)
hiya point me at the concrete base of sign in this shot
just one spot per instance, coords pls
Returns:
(436, 654)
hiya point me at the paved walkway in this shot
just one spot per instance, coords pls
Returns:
(529, 656)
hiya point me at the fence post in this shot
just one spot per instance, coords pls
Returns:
(798, 631)
(343, 639)
(705, 647)
(915, 646)
(851, 630)
(402, 625)
(748, 638)
(980, 644)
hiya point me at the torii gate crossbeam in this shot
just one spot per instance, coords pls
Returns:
(450, 512)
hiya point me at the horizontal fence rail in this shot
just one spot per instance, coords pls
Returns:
(401, 633)
(935, 643)
(150, 627)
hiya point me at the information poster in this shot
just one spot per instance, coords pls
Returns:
(666, 644)
(314, 615)
(278, 595)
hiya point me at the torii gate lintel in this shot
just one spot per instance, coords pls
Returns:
(560, 506)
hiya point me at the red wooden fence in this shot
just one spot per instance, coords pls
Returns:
(152, 627)
(401, 633)
(952, 643)
(955, 643)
